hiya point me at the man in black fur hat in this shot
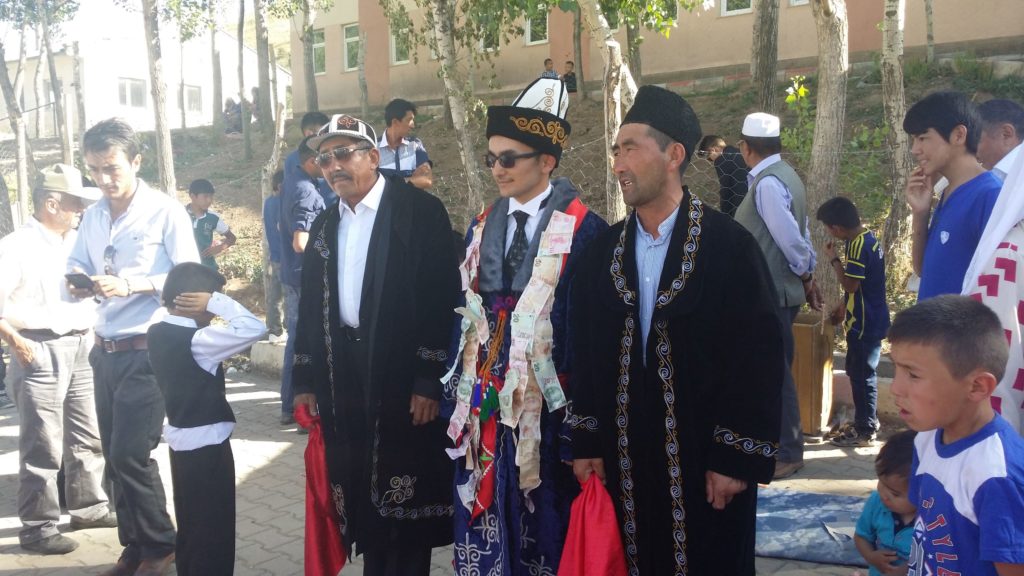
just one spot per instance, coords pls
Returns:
(678, 359)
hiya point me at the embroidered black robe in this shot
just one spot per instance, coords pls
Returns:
(708, 398)
(391, 480)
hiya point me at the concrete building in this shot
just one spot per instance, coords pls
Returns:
(114, 73)
(705, 48)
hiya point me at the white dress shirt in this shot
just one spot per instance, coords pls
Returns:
(212, 345)
(354, 232)
(33, 291)
(774, 201)
(532, 208)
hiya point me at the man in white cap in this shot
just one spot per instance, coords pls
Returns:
(775, 212)
(380, 283)
(51, 381)
(522, 255)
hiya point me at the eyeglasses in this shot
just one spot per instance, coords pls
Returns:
(108, 260)
(702, 153)
(341, 154)
(507, 159)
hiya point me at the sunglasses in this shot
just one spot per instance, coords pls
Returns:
(341, 154)
(507, 159)
(702, 153)
(108, 260)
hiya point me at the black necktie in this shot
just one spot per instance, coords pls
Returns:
(517, 251)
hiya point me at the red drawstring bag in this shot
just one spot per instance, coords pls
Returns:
(325, 551)
(593, 545)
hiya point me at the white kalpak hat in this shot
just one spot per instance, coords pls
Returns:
(761, 125)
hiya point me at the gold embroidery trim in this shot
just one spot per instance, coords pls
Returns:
(551, 129)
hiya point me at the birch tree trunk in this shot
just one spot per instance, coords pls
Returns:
(265, 118)
(577, 49)
(442, 21)
(244, 109)
(896, 235)
(158, 89)
(37, 90)
(6, 213)
(267, 188)
(364, 91)
(58, 98)
(633, 40)
(312, 99)
(24, 162)
(826, 151)
(929, 20)
(273, 79)
(764, 53)
(79, 94)
(616, 97)
(218, 85)
(181, 85)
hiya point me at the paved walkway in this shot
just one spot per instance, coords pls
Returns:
(271, 491)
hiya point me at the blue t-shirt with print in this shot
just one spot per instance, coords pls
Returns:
(883, 529)
(970, 501)
(867, 313)
(953, 235)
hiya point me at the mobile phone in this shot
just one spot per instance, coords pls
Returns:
(79, 280)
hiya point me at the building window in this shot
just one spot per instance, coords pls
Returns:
(131, 92)
(351, 33)
(733, 7)
(319, 52)
(193, 99)
(799, 2)
(537, 29)
(399, 49)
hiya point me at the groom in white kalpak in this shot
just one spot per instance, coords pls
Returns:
(996, 277)
(510, 378)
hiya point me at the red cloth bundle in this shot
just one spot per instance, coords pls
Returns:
(325, 550)
(593, 545)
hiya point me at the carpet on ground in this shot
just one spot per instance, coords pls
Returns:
(807, 526)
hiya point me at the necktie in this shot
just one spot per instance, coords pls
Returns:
(517, 251)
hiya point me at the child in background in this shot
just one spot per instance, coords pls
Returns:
(865, 314)
(967, 479)
(186, 352)
(205, 222)
(886, 526)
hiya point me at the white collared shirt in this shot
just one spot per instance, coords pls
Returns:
(1002, 168)
(354, 232)
(33, 291)
(532, 208)
(211, 345)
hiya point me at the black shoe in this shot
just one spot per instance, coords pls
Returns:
(287, 419)
(56, 544)
(108, 520)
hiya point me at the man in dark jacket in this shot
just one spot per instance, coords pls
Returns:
(731, 169)
(380, 284)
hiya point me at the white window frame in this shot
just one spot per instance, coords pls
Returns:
(799, 2)
(394, 52)
(347, 43)
(736, 12)
(126, 85)
(322, 47)
(528, 36)
(198, 90)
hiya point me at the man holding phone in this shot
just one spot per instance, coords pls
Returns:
(50, 338)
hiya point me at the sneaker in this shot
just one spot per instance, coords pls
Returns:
(839, 430)
(108, 520)
(56, 544)
(853, 439)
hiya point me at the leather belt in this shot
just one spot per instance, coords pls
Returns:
(46, 334)
(352, 334)
(137, 342)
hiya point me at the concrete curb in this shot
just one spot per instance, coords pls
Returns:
(885, 367)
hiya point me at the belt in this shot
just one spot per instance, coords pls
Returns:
(352, 334)
(137, 342)
(46, 334)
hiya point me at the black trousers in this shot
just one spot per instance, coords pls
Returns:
(409, 560)
(130, 411)
(204, 505)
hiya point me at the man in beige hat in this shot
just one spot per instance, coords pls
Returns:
(775, 212)
(50, 339)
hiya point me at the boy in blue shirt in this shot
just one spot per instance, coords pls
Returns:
(866, 316)
(885, 528)
(944, 129)
(205, 222)
(186, 352)
(967, 478)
